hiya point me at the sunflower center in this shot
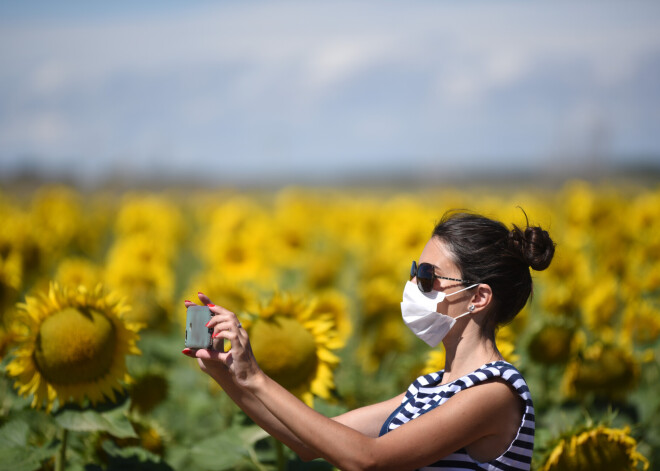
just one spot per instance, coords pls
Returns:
(285, 350)
(75, 346)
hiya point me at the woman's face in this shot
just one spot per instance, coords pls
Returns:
(437, 254)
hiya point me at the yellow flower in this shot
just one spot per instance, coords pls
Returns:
(7, 337)
(240, 257)
(10, 280)
(600, 304)
(609, 371)
(405, 226)
(151, 436)
(596, 449)
(641, 324)
(551, 344)
(292, 233)
(323, 269)
(390, 335)
(239, 298)
(56, 217)
(505, 344)
(566, 281)
(72, 346)
(336, 304)
(151, 215)
(139, 268)
(294, 345)
(74, 272)
(381, 298)
(435, 361)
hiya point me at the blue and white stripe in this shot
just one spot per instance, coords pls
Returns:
(425, 393)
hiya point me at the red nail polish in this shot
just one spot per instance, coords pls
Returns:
(186, 351)
(211, 305)
(199, 292)
(187, 301)
(215, 335)
(207, 324)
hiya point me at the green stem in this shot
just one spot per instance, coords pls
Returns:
(281, 461)
(60, 461)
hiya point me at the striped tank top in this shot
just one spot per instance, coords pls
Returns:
(426, 393)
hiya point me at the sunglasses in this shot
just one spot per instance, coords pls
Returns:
(425, 274)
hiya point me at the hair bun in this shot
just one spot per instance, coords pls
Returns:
(534, 246)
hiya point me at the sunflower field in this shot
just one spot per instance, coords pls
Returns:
(92, 289)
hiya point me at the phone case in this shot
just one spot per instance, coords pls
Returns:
(197, 334)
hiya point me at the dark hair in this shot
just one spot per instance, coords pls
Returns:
(486, 251)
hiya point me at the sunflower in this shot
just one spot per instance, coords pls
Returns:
(435, 361)
(552, 344)
(141, 269)
(238, 297)
(597, 448)
(76, 271)
(641, 323)
(10, 280)
(600, 305)
(150, 214)
(293, 345)
(506, 346)
(606, 370)
(71, 346)
(333, 302)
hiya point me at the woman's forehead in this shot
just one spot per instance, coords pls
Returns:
(436, 253)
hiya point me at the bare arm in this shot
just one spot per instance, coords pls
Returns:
(248, 402)
(470, 415)
(367, 420)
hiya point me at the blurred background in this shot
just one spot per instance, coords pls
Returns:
(290, 159)
(256, 92)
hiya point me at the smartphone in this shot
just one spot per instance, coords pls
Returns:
(197, 334)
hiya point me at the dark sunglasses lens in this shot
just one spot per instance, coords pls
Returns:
(425, 277)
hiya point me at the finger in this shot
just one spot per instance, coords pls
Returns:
(231, 335)
(212, 355)
(219, 324)
(188, 303)
(225, 324)
(220, 314)
(203, 298)
(219, 309)
(190, 352)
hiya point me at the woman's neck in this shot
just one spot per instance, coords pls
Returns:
(467, 351)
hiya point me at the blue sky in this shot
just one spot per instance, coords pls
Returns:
(290, 91)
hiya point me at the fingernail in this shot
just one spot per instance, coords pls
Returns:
(187, 301)
(199, 292)
(216, 335)
(186, 351)
(207, 324)
(211, 305)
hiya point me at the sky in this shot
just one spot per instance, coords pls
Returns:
(258, 91)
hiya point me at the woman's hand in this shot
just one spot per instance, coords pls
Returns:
(239, 360)
(209, 367)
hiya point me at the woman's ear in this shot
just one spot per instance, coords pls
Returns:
(482, 297)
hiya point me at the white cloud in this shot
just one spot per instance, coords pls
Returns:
(341, 79)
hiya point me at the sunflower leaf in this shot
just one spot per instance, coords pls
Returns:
(251, 434)
(20, 458)
(14, 433)
(114, 421)
(133, 458)
(217, 453)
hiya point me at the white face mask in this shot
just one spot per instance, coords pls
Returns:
(419, 312)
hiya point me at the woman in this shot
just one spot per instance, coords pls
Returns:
(473, 275)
